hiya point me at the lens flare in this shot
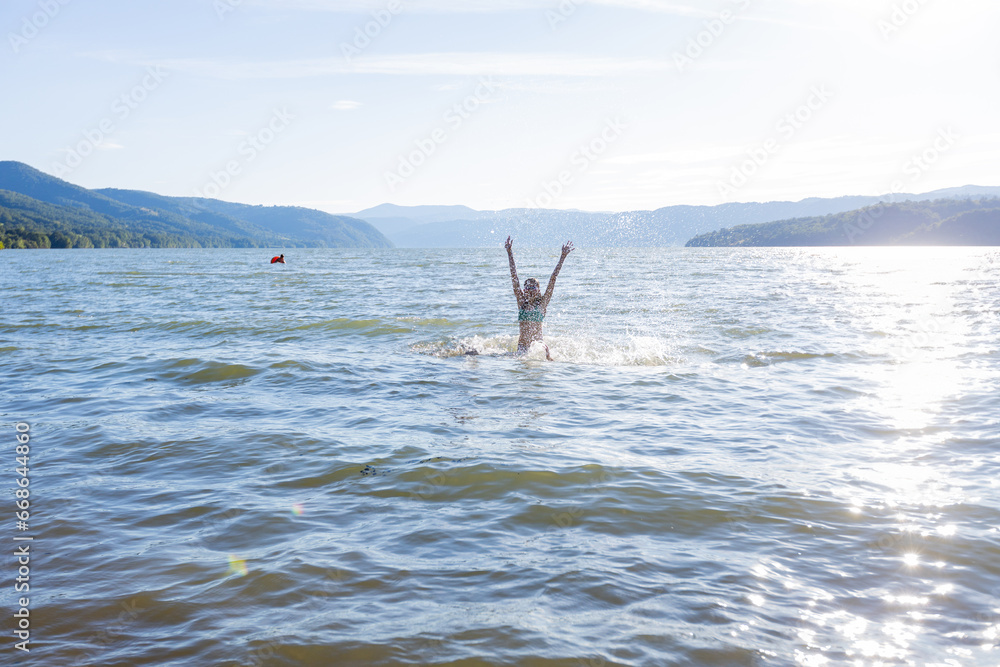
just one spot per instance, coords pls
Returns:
(237, 565)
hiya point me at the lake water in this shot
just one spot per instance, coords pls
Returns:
(738, 457)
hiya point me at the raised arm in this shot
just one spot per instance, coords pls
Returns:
(513, 273)
(566, 250)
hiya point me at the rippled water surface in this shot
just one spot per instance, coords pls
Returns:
(738, 457)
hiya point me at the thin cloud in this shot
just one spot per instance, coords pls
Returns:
(345, 105)
(418, 64)
(479, 6)
(679, 9)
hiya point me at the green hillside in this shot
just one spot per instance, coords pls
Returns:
(29, 223)
(41, 211)
(977, 227)
(938, 222)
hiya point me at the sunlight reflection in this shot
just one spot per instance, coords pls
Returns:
(906, 600)
(901, 633)
(948, 530)
(870, 648)
(810, 659)
(908, 300)
(910, 393)
(911, 484)
(854, 628)
(865, 641)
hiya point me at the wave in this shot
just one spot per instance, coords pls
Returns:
(198, 371)
(431, 321)
(371, 327)
(758, 359)
(203, 328)
(740, 333)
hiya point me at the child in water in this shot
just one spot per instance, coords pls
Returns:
(531, 303)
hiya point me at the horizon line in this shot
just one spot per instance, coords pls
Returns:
(528, 208)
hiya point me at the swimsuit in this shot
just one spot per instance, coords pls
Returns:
(532, 315)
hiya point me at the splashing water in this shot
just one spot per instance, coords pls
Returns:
(632, 351)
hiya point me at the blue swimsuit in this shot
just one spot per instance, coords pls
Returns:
(532, 315)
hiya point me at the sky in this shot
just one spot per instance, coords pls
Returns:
(602, 105)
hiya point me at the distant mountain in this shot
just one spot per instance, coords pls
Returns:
(419, 214)
(38, 210)
(938, 222)
(392, 226)
(430, 227)
(531, 227)
(294, 225)
(391, 219)
(965, 191)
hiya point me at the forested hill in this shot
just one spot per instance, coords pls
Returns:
(41, 211)
(938, 222)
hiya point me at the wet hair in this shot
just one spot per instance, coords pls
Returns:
(531, 280)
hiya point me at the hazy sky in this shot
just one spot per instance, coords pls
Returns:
(598, 105)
